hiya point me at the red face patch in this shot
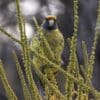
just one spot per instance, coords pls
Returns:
(51, 17)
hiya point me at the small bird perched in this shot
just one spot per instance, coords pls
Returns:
(55, 40)
(53, 37)
(49, 43)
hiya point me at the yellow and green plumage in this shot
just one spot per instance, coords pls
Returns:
(55, 41)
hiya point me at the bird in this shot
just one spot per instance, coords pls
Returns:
(55, 40)
(54, 37)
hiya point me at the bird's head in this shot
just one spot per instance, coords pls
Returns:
(50, 23)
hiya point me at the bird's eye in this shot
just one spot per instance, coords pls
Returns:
(51, 22)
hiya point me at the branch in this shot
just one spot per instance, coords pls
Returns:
(9, 35)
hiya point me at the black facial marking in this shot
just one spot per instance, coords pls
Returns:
(47, 26)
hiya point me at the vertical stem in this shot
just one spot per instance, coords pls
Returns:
(26, 55)
(10, 94)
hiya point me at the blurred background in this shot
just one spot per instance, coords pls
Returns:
(63, 9)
